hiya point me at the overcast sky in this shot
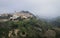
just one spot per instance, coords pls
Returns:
(44, 8)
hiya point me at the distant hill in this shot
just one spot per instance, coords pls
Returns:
(56, 21)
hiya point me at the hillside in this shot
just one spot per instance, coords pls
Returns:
(27, 25)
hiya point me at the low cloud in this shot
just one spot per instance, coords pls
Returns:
(44, 8)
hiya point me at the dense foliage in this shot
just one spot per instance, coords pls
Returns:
(32, 28)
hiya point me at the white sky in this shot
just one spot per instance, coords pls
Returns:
(44, 8)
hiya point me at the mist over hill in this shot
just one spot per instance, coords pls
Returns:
(29, 18)
(42, 8)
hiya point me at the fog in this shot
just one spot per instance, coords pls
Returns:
(42, 8)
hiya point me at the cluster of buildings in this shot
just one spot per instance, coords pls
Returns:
(16, 16)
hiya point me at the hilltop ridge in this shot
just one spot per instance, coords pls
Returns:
(21, 14)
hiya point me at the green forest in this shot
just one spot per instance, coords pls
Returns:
(32, 28)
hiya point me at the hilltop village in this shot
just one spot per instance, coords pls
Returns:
(16, 16)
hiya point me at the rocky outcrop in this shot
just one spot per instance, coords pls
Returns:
(50, 34)
(13, 33)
